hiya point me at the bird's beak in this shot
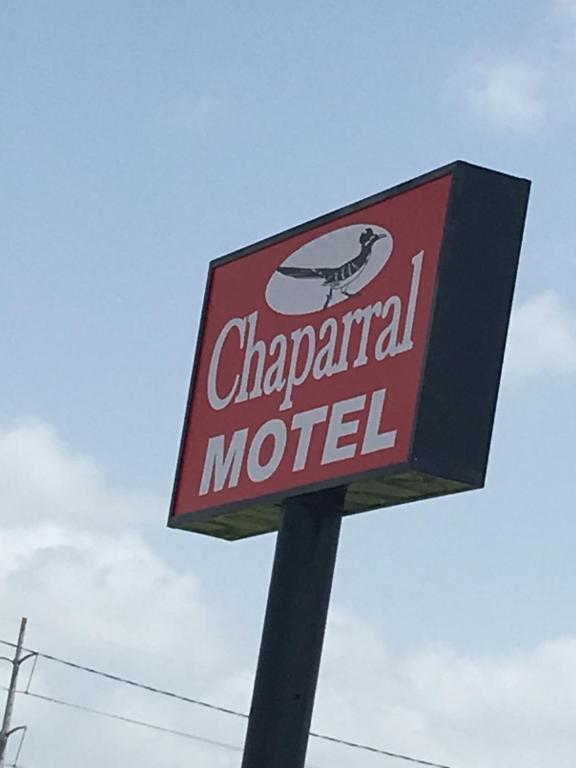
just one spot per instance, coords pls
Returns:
(379, 237)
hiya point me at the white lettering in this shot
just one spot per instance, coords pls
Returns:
(219, 466)
(264, 450)
(407, 341)
(217, 402)
(338, 428)
(276, 429)
(387, 341)
(257, 349)
(342, 366)
(365, 316)
(373, 439)
(286, 362)
(324, 363)
(305, 422)
(274, 380)
(294, 379)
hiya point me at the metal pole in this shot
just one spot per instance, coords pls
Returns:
(5, 730)
(293, 633)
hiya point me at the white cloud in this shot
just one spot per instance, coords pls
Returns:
(541, 340)
(525, 89)
(42, 479)
(73, 560)
(435, 704)
(105, 597)
(508, 94)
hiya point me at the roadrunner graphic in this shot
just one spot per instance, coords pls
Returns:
(338, 278)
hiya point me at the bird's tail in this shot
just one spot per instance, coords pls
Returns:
(299, 272)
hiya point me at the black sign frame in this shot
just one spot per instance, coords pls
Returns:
(462, 367)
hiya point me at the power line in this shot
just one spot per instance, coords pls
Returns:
(134, 683)
(375, 750)
(225, 710)
(132, 721)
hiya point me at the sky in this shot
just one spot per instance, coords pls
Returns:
(137, 142)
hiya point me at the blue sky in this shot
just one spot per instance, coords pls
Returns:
(137, 142)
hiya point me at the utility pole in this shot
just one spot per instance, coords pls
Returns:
(5, 731)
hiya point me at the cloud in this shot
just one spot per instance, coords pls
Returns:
(524, 89)
(43, 479)
(508, 94)
(74, 560)
(541, 340)
(445, 707)
(103, 596)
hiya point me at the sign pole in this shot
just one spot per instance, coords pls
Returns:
(293, 633)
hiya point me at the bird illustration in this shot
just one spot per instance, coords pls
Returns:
(338, 278)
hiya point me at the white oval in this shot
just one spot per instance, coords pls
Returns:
(301, 292)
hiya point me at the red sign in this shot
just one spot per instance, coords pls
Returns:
(311, 357)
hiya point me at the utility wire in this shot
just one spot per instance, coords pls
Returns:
(375, 750)
(134, 683)
(132, 721)
(225, 710)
